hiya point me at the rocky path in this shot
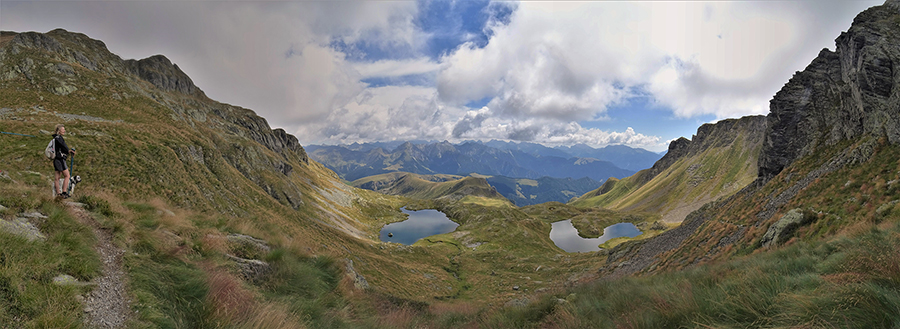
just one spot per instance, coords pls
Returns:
(108, 305)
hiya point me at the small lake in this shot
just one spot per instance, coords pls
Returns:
(565, 236)
(421, 223)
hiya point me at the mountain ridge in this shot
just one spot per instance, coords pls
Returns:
(461, 159)
(716, 162)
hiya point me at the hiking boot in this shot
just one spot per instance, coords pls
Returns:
(64, 195)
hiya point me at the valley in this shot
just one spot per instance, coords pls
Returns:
(784, 220)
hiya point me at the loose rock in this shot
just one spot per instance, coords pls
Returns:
(22, 227)
(252, 270)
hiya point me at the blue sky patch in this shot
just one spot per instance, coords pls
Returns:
(647, 117)
(426, 80)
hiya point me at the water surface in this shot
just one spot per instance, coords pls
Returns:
(421, 223)
(565, 236)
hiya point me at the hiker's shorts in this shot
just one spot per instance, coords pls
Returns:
(59, 165)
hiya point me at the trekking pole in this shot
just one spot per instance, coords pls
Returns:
(71, 174)
(18, 134)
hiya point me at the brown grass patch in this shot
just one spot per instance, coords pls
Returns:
(844, 278)
(855, 229)
(176, 220)
(230, 300)
(214, 243)
(440, 308)
(400, 317)
(272, 316)
(563, 318)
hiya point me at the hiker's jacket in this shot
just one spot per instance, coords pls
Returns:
(62, 150)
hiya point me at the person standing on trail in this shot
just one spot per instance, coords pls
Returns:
(59, 162)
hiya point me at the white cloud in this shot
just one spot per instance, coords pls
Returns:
(572, 60)
(386, 113)
(396, 68)
(484, 125)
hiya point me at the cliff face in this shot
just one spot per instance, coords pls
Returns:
(841, 95)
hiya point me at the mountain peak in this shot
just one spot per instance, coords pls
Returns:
(841, 95)
(92, 54)
(162, 73)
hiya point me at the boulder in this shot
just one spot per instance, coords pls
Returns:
(246, 246)
(359, 282)
(518, 302)
(252, 270)
(21, 227)
(785, 227)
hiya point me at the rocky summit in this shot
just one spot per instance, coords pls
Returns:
(842, 95)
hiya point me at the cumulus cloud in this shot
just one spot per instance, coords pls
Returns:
(387, 113)
(572, 60)
(396, 68)
(484, 125)
(471, 121)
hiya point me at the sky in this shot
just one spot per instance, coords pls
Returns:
(600, 73)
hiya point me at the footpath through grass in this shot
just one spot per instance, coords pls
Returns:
(28, 297)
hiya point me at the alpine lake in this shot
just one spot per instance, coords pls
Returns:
(566, 237)
(421, 224)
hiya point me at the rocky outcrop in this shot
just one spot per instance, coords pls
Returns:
(160, 72)
(23, 228)
(246, 246)
(842, 95)
(258, 129)
(252, 270)
(359, 282)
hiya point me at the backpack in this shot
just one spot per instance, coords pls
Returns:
(50, 151)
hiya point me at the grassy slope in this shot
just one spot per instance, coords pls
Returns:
(425, 187)
(684, 186)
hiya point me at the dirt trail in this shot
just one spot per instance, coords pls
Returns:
(108, 305)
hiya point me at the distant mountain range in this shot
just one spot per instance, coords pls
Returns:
(522, 160)
(622, 156)
(521, 191)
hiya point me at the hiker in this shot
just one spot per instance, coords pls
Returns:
(59, 162)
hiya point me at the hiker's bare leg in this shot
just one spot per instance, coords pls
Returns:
(66, 180)
(56, 186)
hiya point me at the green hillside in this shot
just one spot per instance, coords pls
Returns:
(434, 187)
(520, 191)
(719, 161)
